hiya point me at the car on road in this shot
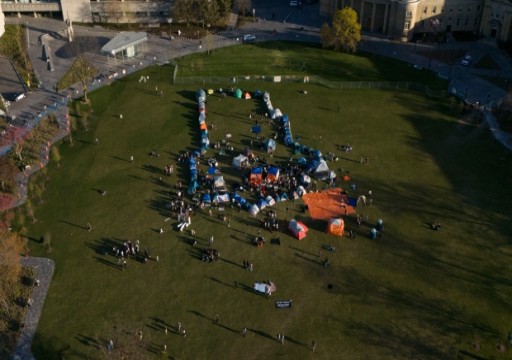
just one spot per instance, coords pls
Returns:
(466, 60)
(249, 38)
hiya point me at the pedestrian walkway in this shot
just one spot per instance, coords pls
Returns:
(43, 269)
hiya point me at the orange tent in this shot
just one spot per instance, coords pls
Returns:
(335, 226)
(203, 126)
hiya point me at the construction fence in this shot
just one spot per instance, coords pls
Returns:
(317, 80)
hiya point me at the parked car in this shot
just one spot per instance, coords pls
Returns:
(466, 60)
(249, 38)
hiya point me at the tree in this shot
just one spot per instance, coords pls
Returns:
(345, 32)
(183, 10)
(56, 155)
(8, 172)
(243, 6)
(11, 248)
(82, 71)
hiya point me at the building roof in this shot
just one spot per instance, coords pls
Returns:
(124, 40)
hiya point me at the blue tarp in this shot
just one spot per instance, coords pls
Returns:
(206, 198)
(257, 170)
(352, 201)
(256, 129)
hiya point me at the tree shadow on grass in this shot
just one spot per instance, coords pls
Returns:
(54, 349)
(316, 262)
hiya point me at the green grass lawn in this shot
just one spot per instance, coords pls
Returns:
(291, 58)
(414, 294)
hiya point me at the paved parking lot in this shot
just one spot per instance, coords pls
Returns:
(10, 82)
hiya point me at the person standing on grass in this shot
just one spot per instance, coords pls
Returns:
(210, 242)
(131, 159)
(217, 319)
(89, 227)
(244, 331)
(313, 346)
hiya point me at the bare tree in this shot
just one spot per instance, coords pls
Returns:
(243, 6)
(82, 71)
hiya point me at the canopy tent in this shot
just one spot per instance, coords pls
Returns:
(238, 93)
(273, 174)
(335, 226)
(219, 183)
(321, 170)
(270, 145)
(256, 175)
(247, 95)
(298, 229)
(276, 114)
(240, 161)
(270, 200)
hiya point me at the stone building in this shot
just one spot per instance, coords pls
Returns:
(412, 19)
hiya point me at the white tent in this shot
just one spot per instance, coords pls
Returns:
(219, 183)
(240, 161)
(254, 210)
(322, 170)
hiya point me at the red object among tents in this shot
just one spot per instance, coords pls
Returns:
(298, 229)
(247, 95)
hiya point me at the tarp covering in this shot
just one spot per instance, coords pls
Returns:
(298, 229)
(266, 288)
(335, 226)
(330, 203)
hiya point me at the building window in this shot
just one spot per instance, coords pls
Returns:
(478, 8)
(467, 22)
(458, 21)
(408, 13)
(476, 21)
(422, 23)
(407, 25)
(450, 19)
(460, 8)
(425, 10)
(434, 9)
(469, 8)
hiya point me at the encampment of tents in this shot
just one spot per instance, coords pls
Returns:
(240, 161)
(298, 229)
(335, 226)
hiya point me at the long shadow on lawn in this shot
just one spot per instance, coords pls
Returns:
(107, 262)
(120, 158)
(88, 341)
(262, 334)
(303, 251)
(75, 225)
(316, 262)
(214, 279)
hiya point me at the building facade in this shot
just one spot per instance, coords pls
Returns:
(2, 23)
(87, 11)
(411, 19)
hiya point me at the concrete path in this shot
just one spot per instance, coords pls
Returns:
(43, 269)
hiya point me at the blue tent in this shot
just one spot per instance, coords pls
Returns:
(192, 188)
(206, 198)
(256, 129)
(317, 154)
(211, 170)
(352, 201)
(262, 204)
(302, 161)
(257, 170)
